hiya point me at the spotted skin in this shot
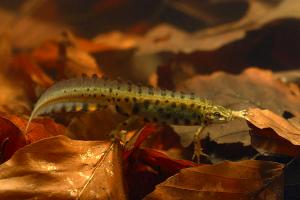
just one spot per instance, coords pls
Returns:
(151, 104)
(130, 100)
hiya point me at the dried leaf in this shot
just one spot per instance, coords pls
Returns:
(147, 167)
(69, 169)
(93, 126)
(166, 165)
(11, 139)
(166, 38)
(27, 31)
(38, 128)
(252, 88)
(112, 41)
(79, 62)
(274, 134)
(289, 76)
(28, 74)
(228, 180)
(67, 56)
(13, 98)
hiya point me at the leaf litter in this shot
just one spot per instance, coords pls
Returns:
(66, 169)
(227, 180)
(46, 166)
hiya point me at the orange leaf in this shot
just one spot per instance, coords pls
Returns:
(38, 128)
(61, 168)
(11, 139)
(249, 179)
(274, 134)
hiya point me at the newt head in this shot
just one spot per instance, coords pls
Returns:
(220, 114)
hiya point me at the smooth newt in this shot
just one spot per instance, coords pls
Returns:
(150, 104)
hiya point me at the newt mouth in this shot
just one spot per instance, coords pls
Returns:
(240, 114)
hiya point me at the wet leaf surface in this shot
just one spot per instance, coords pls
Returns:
(66, 169)
(206, 47)
(254, 180)
(273, 133)
(11, 139)
(167, 38)
(252, 88)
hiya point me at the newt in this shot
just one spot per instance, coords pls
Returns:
(134, 101)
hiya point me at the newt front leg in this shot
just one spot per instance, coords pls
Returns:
(197, 145)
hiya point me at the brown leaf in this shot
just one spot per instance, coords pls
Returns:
(79, 62)
(274, 134)
(11, 139)
(67, 56)
(94, 125)
(13, 98)
(27, 72)
(61, 168)
(38, 128)
(166, 38)
(27, 32)
(112, 41)
(20, 80)
(252, 88)
(13, 135)
(249, 179)
(147, 167)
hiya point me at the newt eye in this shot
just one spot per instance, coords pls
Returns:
(217, 114)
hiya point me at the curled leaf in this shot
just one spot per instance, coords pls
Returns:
(272, 133)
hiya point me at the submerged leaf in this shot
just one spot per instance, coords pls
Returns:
(61, 168)
(13, 135)
(38, 128)
(11, 139)
(249, 179)
(166, 38)
(252, 88)
(273, 134)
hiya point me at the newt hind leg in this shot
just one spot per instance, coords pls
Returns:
(120, 131)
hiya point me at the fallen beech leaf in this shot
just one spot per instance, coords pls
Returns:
(79, 62)
(69, 169)
(289, 76)
(49, 50)
(147, 167)
(136, 140)
(11, 139)
(267, 119)
(67, 56)
(249, 179)
(166, 38)
(38, 128)
(25, 65)
(13, 98)
(166, 165)
(28, 32)
(19, 79)
(252, 88)
(274, 134)
(114, 40)
(93, 126)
